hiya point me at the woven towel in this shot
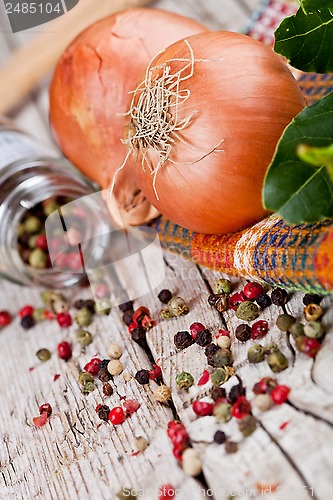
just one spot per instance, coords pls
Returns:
(298, 258)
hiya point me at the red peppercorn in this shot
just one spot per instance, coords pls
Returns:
(174, 427)
(253, 290)
(264, 386)
(46, 407)
(166, 491)
(308, 346)
(49, 315)
(117, 415)
(202, 409)
(196, 328)
(241, 408)
(64, 319)
(41, 242)
(155, 373)
(178, 452)
(92, 366)
(26, 311)
(236, 299)
(280, 394)
(64, 350)
(5, 318)
(204, 378)
(259, 329)
(223, 333)
(131, 406)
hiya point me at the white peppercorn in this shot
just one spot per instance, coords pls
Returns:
(115, 367)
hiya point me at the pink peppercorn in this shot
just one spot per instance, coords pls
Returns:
(92, 366)
(64, 319)
(26, 311)
(64, 350)
(195, 328)
(223, 333)
(280, 394)
(46, 407)
(241, 408)
(264, 386)
(308, 346)
(259, 329)
(5, 318)
(253, 290)
(202, 409)
(117, 415)
(236, 299)
(131, 406)
(155, 373)
(41, 242)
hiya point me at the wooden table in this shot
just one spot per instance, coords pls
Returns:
(76, 455)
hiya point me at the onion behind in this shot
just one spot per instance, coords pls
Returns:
(240, 98)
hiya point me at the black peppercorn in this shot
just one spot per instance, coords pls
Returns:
(79, 304)
(203, 338)
(90, 304)
(263, 300)
(164, 296)
(139, 337)
(211, 349)
(103, 412)
(220, 437)
(183, 340)
(235, 392)
(243, 332)
(103, 364)
(312, 298)
(128, 317)
(27, 322)
(220, 301)
(212, 299)
(126, 306)
(217, 393)
(222, 357)
(279, 296)
(104, 375)
(231, 447)
(107, 389)
(142, 376)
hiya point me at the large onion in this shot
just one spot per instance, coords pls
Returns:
(89, 93)
(207, 175)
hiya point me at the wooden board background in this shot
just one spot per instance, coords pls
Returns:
(77, 456)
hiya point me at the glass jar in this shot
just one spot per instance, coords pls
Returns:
(29, 175)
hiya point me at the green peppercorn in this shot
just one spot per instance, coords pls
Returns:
(219, 376)
(247, 425)
(178, 307)
(277, 361)
(83, 317)
(88, 387)
(43, 354)
(314, 330)
(222, 357)
(247, 311)
(102, 306)
(83, 337)
(38, 258)
(256, 353)
(184, 380)
(39, 314)
(46, 296)
(58, 303)
(284, 322)
(85, 377)
(166, 314)
(32, 224)
(223, 286)
(222, 412)
(312, 312)
(297, 330)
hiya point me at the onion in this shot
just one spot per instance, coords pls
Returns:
(89, 94)
(204, 157)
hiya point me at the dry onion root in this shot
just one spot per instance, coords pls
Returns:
(208, 89)
(89, 96)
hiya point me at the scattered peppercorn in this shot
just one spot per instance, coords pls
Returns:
(222, 357)
(223, 286)
(203, 338)
(25, 311)
(142, 376)
(202, 409)
(284, 322)
(236, 392)
(236, 299)
(103, 306)
(241, 407)
(253, 290)
(221, 375)
(115, 367)
(162, 394)
(280, 394)
(83, 337)
(139, 337)
(312, 298)
(224, 342)
(263, 301)
(184, 380)
(27, 322)
(45, 408)
(243, 332)
(141, 443)
(183, 339)
(128, 317)
(211, 349)
(103, 373)
(58, 303)
(247, 311)
(191, 462)
(85, 377)
(117, 415)
(92, 366)
(262, 402)
(222, 412)
(220, 301)
(308, 346)
(264, 386)
(220, 437)
(126, 306)
(103, 412)
(43, 354)
(195, 328)
(314, 330)
(64, 319)
(217, 393)
(39, 314)
(247, 425)
(279, 296)
(231, 447)
(83, 317)
(256, 353)
(114, 351)
(107, 389)
(164, 296)
(297, 330)
(312, 312)
(177, 306)
(277, 361)
(259, 329)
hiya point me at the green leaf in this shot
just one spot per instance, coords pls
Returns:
(298, 191)
(317, 156)
(313, 5)
(306, 40)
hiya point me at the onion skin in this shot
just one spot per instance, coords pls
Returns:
(89, 91)
(247, 99)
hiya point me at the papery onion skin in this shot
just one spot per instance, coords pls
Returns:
(89, 92)
(247, 99)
